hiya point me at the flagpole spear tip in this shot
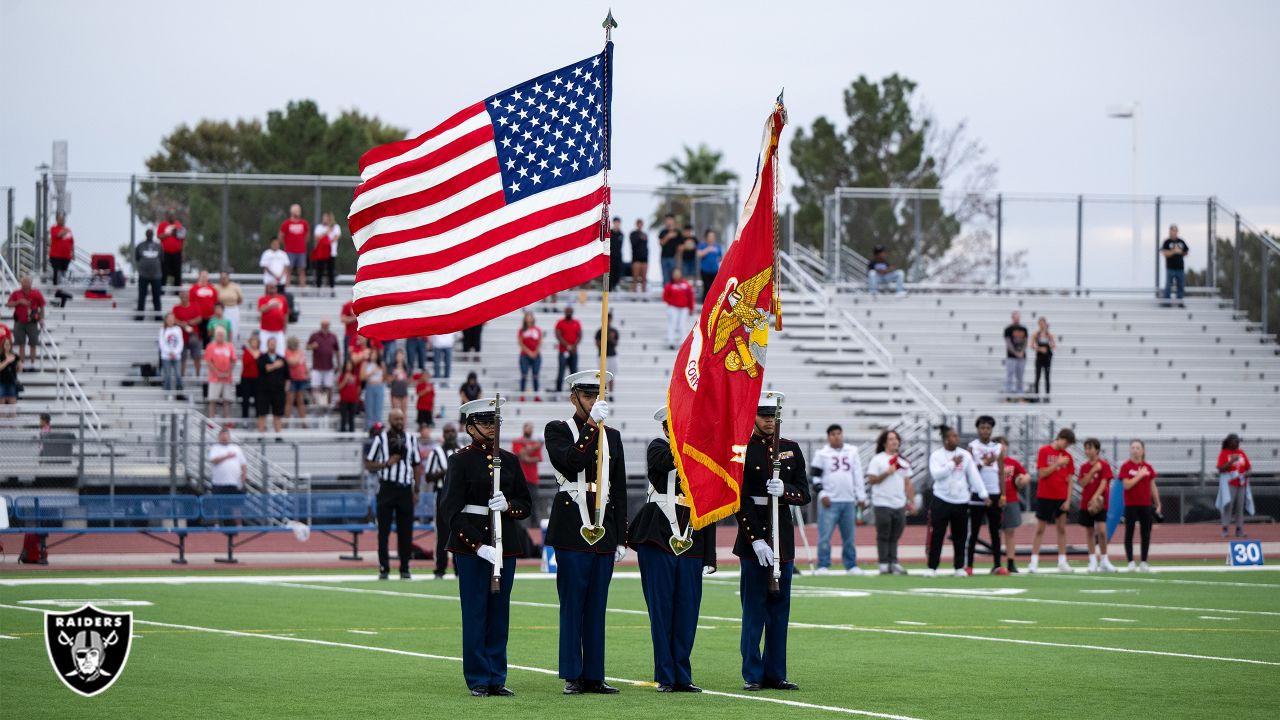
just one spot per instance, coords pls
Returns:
(780, 92)
(609, 23)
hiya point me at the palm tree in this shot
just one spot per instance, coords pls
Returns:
(699, 166)
(708, 210)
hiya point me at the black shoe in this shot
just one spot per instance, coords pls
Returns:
(599, 687)
(781, 685)
(438, 575)
(572, 687)
(1012, 567)
(501, 691)
(751, 686)
(383, 574)
(480, 692)
(665, 689)
(404, 575)
(691, 688)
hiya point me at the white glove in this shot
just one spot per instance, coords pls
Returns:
(489, 553)
(773, 486)
(708, 570)
(764, 553)
(600, 411)
(620, 553)
(499, 503)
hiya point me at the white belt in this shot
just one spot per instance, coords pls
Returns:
(760, 500)
(475, 509)
(654, 496)
(572, 489)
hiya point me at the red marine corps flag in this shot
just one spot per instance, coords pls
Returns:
(715, 385)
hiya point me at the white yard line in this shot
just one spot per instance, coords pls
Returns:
(1119, 620)
(1020, 622)
(909, 622)
(1129, 577)
(1212, 617)
(1050, 601)
(526, 668)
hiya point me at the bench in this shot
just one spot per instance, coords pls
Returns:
(40, 510)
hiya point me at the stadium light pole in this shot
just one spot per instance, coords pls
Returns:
(1130, 113)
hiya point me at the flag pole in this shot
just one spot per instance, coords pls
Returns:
(609, 24)
(777, 181)
(495, 583)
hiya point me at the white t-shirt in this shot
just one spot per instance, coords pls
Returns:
(333, 232)
(954, 483)
(892, 491)
(442, 341)
(841, 477)
(226, 472)
(171, 343)
(275, 266)
(990, 473)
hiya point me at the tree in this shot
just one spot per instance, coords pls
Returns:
(297, 140)
(710, 209)
(889, 144)
(1252, 254)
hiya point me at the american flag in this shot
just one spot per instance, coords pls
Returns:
(494, 209)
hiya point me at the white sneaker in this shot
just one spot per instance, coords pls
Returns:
(1133, 567)
(961, 573)
(1093, 565)
(1106, 566)
(1144, 567)
(1033, 567)
(1063, 567)
(855, 570)
(929, 572)
(822, 571)
(898, 569)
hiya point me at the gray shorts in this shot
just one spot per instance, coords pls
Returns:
(222, 392)
(297, 260)
(28, 332)
(1012, 515)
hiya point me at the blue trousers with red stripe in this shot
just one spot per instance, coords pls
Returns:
(764, 613)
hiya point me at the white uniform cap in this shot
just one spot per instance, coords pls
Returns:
(589, 378)
(769, 399)
(483, 405)
(661, 414)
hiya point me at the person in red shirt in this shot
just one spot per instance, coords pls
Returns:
(1016, 477)
(1054, 468)
(529, 450)
(1235, 499)
(324, 255)
(220, 356)
(295, 230)
(349, 395)
(28, 314)
(678, 295)
(204, 296)
(273, 315)
(249, 388)
(61, 247)
(5, 332)
(188, 318)
(1095, 476)
(1140, 490)
(529, 340)
(172, 237)
(425, 391)
(568, 335)
(349, 326)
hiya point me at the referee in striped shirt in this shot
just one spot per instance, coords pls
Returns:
(394, 456)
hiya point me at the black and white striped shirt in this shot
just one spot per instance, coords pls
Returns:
(402, 472)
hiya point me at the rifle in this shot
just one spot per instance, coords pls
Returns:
(495, 584)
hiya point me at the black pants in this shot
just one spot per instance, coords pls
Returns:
(944, 515)
(471, 338)
(395, 502)
(1143, 517)
(993, 515)
(1043, 362)
(248, 398)
(148, 286)
(171, 267)
(442, 539)
(59, 266)
(566, 364)
(347, 423)
(707, 279)
(324, 269)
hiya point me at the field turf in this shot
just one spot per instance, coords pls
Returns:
(1166, 645)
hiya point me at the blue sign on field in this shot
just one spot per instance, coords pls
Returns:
(1244, 552)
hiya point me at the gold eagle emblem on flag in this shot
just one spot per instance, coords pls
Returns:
(736, 309)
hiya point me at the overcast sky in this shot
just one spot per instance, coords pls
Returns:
(1032, 79)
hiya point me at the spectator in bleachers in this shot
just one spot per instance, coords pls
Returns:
(325, 254)
(250, 384)
(273, 316)
(424, 398)
(639, 260)
(147, 261)
(1235, 499)
(468, 391)
(611, 351)
(678, 296)
(5, 332)
(616, 240)
(1054, 468)
(1174, 250)
(1015, 354)
(709, 256)
(1140, 490)
(389, 353)
(348, 396)
(219, 320)
(686, 253)
(229, 467)
(203, 297)
(881, 271)
(470, 343)
(273, 381)
(1015, 477)
(529, 340)
(295, 230)
(399, 383)
(323, 345)
(442, 357)
(172, 237)
(568, 335)
(892, 496)
(415, 350)
(28, 315)
(361, 352)
(374, 372)
(350, 325)
(231, 297)
(220, 356)
(668, 243)
(61, 247)
(838, 480)
(275, 265)
(1046, 343)
(529, 450)
(170, 342)
(9, 364)
(299, 387)
(188, 318)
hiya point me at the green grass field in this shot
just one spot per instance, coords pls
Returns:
(1174, 645)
